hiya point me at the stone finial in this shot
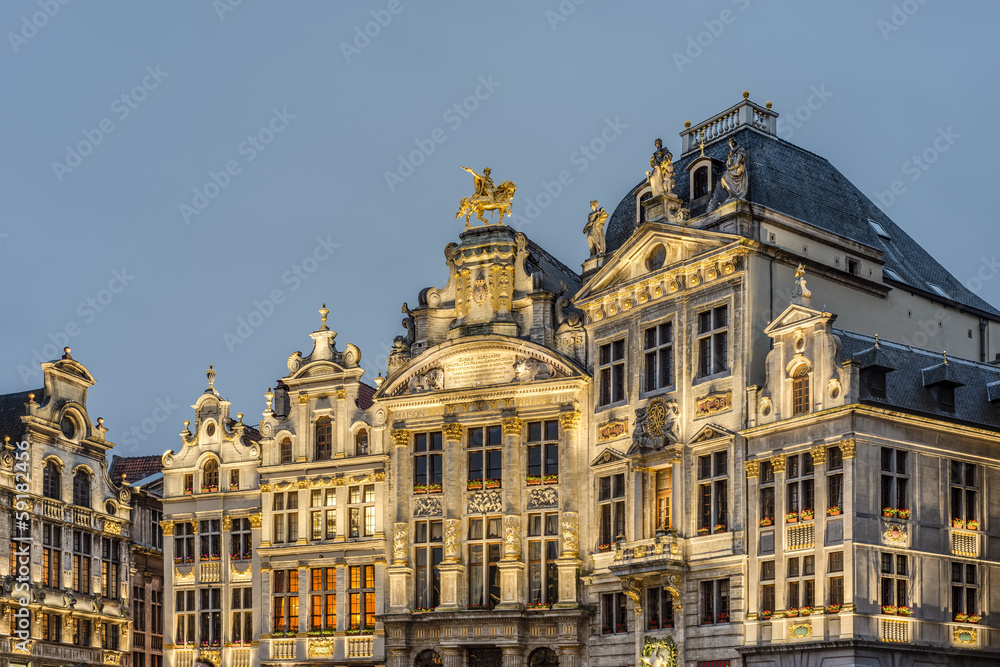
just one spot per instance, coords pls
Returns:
(239, 417)
(746, 94)
(269, 397)
(379, 380)
(210, 374)
(324, 312)
(800, 293)
(768, 104)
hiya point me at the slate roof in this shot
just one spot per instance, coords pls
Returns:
(365, 395)
(804, 185)
(11, 411)
(134, 468)
(906, 387)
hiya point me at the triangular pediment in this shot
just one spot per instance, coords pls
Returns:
(796, 316)
(609, 456)
(710, 432)
(674, 244)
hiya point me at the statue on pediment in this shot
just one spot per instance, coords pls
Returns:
(661, 178)
(734, 179)
(594, 229)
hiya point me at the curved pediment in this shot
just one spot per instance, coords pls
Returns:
(482, 361)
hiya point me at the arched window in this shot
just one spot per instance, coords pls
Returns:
(68, 427)
(81, 488)
(361, 442)
(286, 451)
(324, 438)
(543, 657)
(700, 183)
(50, 481)
(800, 391)
(427, 658)
(210, 476)
(642, 209)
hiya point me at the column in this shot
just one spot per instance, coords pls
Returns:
(780, 529)
(569, 656)
(569, 425)
(452, 570)
(751, 628)
(399, 657)
(169, 600)
(848, 449)
(452, 656)
(511, 567)
(512, 468)
(568, 563)
(513, 656)
(400, 572)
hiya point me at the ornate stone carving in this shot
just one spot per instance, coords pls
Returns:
(427, 507)
(483, 502)
(752, 468)
(487, 197)
(341, 394)
(512, 536)
(612, 429)
(661, 178)
(633, 590)
(657, 425)
(303, 484)
(571, 533)
(227, 522)
(778, 463)
(511, 425)
(452, 431)
(735, 180)
(658, 652)
(818, 453)
(452, 539)
(400, 543)
(400, 436)
(255, 520)
(527, 369)
(430, 380)
(542, 498)
(847, 447)
(594, 229)
(570, 420)
(321, 647)
(168, 528)
(265, 488)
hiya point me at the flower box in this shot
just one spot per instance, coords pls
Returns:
(538, 605)
(961, 618)
(360, 631)
(621, 627)
(834, 511)
(420, 488)
(834, 608)
(767, 521)
(791, 612)
(533, 480)
(888, 512)
(720, 527)
(433, 488)
(550, 479)
(807, 515)
(973, 618)
(188, 492)
(903, 513)
(767, 613)
(905, 611)
(958, 523)
(477, 606)
(703, 531)
(606, 630)
(792, 517)
(889, 609)
(234, 487)
(209, 489)
(474, 485)
(707, 620)
(972, 524)
(423, 610)
(806, 611)
(723, 617)
(490, 484)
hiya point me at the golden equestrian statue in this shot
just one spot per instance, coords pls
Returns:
(486, 198)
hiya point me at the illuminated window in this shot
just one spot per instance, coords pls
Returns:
(51, 555)
(664, 494)
(323, 598)
(800, 391)
(361, 598)
(111, 567)
(285, 601)
(82, 545)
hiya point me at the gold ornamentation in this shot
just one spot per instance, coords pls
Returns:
(965, 635)
(633, 590)
(610, 430)
(181, 577)
(227, 522)
(800, 630)
(452, 540)
(452, 431)
(710, 404)
(640, 551)
(303, 484)
(339, 481)
(303, 399)
(571, 533)
(569, 420)
(341, 394)
(818, 453)
(512, 535)
(847, 447)
(400, 542)
(265, 488)
(511, 425)
(22, 646)
(400, 436)
(752, 468)
(215, 657)
(194, 525)
(321, 647)
(168, 528)
(379, 476)
(255, 520)
(778, 463)
(487, 197)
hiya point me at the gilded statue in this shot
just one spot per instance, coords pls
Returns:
(661, 178)
(594, 229)
(486, 197)
(734, 179)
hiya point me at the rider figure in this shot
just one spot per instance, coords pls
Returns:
(484, 184)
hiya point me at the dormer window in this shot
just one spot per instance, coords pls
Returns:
(642, 209)
(874, 379)
(699, 186)
(800, 391)
(946, 397)
(853, 266)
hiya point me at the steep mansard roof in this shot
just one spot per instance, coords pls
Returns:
(793, 181)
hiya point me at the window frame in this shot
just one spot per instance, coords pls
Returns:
(542, 446)
(713, 487)
(715, 602)
(658, 359)
(610, 371)
(708, 342)
(611, 509)
(485, 533)
(428, 554)
(428, 453)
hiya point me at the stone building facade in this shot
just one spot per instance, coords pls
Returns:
(148, 591)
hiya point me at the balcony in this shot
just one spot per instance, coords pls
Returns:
(53, 509)
(800, 536)
(282, 649)
(183, 658)
(894, 630)
(240, 657)
(157, 643)
(964, 543)
(209, 572)
(82, 517)
(360, 647)
(651, 553)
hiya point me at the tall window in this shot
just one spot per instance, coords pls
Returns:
(765, 480)
(660, 608)
(81, 561)
(155, 529)
(800, 488)
(894, 479)
(110, 567)
(800, 390)
(361, 510)
(210, 476)
(427, 462)
(715, 601)
(52, 627)
(895, 581)
(664, 495)
(713, 341)
(611, 509)
(240, 539)
(700, 182)
(800, 573)
(110, 634)
(543, 452)
(82, 632)
(485, 457)
(210, 616)
(964, 486)
(964, 589)
(189, 484)
(834, 480)
(242, 610)
(81, 489)
(184, 618)
(611, 372)
(427, 542)
(323, 599)
(543, 550)
(285, 451)
(361, 442)
(234, 480)
(183, 543)
(658, 350)
(139, 608)
(361, 597)
(323, 517)
(157, 611)
(485, 537)
(286, 517)
(210, 536)
(835, 583)
(285, 601)
(324, 438)
(51, 555)
(713, 493)
(614, 616)
(51, 483)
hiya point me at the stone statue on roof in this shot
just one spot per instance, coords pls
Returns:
(661, 178)
(734, 179)
(594, 229)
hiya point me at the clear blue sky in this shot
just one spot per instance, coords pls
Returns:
(95, 239)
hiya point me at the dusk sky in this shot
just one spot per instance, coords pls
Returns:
(185, 183)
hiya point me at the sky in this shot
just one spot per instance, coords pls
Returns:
(186, 183)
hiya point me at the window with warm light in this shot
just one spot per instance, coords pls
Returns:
(800, 391)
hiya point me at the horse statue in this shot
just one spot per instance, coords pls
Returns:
(499, 201)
